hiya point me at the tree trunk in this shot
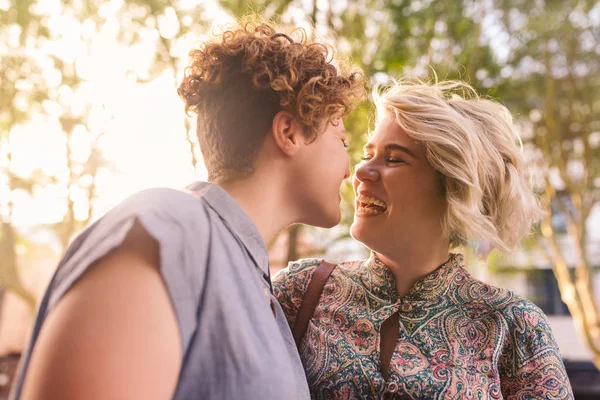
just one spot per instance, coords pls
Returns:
(576, 292)
(293, 235)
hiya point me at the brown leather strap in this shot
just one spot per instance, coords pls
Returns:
(387, 345)
(311, 299)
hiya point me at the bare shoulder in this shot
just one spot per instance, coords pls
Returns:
(115, 325)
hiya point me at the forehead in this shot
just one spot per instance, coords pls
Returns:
(388, 131)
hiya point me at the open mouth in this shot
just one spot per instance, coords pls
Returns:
(370, 205)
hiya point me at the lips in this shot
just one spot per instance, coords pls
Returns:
(370, 205)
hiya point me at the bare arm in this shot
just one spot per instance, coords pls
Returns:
(114, 335)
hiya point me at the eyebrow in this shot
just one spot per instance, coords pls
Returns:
(395, 146)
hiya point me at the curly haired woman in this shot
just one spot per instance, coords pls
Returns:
(442, 169)
(168, 295)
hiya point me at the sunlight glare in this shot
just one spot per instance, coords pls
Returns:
(139, 118)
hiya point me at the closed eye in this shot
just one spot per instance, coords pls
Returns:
(394, 160)
(391, 160)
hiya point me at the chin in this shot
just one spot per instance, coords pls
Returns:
(328, 220)
(358, 233)
(333, 221)
(369, 237)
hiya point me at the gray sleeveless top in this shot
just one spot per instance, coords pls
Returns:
(215, 266)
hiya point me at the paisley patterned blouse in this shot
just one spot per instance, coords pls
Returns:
(459, 338)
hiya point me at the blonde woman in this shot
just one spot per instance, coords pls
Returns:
(443, 168)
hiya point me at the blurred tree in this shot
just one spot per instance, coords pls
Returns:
(44, 76)
(271, 9)
(22, 89)
(553, 80)
(39, 83)
(174, 26)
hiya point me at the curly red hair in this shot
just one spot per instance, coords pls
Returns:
(238, 82)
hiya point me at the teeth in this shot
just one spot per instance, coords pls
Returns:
(371, 200)
(368, 211)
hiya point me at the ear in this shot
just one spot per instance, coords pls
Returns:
(287, 132)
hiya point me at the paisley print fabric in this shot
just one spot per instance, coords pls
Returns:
(459, 338)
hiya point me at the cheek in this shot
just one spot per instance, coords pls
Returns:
(410, 192)
(338, 161)
(423, 194)
(341, 154)
(432, 189)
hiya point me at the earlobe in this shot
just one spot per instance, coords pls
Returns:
(286, 132)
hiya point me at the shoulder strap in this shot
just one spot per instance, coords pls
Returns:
(311, 299)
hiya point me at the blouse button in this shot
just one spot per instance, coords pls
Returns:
(406, 307)
(392, 387)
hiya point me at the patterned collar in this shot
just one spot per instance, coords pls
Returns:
(379, 280)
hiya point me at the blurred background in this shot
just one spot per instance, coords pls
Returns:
(89, 114)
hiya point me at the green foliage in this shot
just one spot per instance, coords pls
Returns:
(268, 9)
(540, 58)
(555, 83)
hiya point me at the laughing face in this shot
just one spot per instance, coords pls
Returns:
(398, 194)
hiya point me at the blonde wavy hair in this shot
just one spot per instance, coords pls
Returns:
(474, 145)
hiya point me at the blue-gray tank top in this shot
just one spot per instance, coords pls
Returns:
(215, 266)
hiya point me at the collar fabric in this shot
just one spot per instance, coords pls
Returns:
(379, 280)
(236, 218)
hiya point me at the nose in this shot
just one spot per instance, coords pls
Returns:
(347, 173)
(367, 172)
